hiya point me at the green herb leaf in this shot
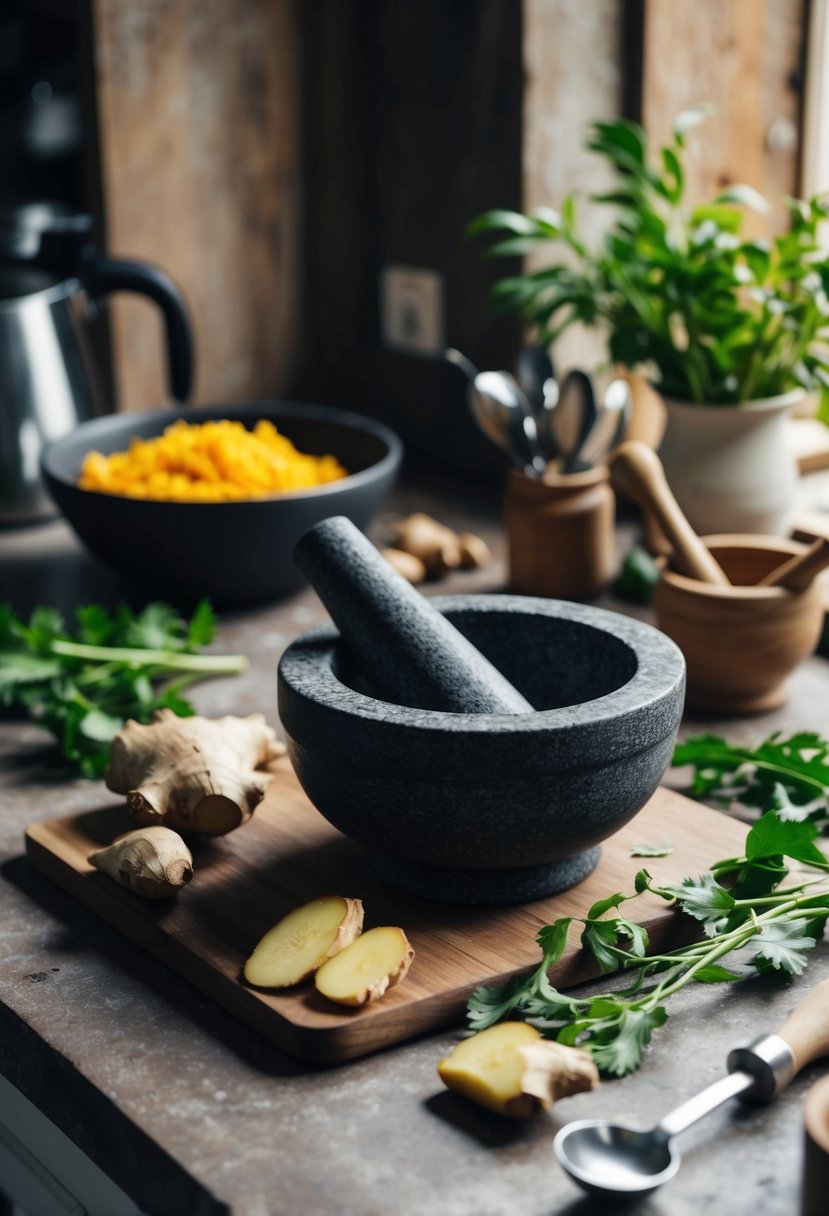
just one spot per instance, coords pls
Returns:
(553, 939)
(771, 836)
(20, 667)
(96, 626)
(618, 1050)
(783, 945)
(604, 905)
(715, 974)
(100, 726)
(83, 689)
(651, 850)
(790, 775)
(703, 898)
(158, 627)
(489, 1005)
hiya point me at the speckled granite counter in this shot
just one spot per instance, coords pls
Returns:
(190, 1112)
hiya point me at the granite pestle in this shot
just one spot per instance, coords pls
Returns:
(410, 652)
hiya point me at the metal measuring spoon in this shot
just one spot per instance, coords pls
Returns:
(617, 1162)
(608, 431)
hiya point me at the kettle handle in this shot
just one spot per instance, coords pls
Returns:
(103, 275)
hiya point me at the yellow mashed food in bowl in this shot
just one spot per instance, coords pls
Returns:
(219, 461)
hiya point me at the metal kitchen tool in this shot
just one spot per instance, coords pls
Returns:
(573, 418)
(533, 369)
(51, 278)
(637, 472)
(798, 572)
(614, 1161)
(544, 418)
(608, 431)
(503, 414)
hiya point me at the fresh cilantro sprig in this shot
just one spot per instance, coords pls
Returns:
(787, 775)
(744, 909)
(82, 686)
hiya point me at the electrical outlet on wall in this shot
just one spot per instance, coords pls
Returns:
(411, 310)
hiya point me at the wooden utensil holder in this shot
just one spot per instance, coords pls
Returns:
(560, 533)
(740, 642)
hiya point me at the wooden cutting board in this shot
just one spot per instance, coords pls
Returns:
(287, 854)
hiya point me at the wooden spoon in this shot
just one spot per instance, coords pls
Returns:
(637, 471)
(799, 571)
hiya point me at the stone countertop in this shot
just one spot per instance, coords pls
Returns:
(190, 1112)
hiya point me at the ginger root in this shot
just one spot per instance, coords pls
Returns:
(301, 942)
(438, 547)
(407, 564)
(511, 1070)
(193, 774)
(474, 551)
(367, 968)
(154, 862)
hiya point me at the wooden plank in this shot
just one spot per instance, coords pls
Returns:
(288, 854)
(199, 144)
(413, 127)
(574, 75)
(744, 56)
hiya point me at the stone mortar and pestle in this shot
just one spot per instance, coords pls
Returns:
(480, 747)
(744, 609)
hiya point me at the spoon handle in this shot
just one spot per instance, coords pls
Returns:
(637, 471)
(806, 1030)
(701, 1104)
(799, 571)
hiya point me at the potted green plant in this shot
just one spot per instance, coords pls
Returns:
(731, 329)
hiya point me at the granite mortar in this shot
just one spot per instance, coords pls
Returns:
(485, 808)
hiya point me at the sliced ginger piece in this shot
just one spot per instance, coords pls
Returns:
(302, 941)
(370, 966)
(510, 1069)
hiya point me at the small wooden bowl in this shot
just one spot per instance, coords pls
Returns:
(816, 1150)
(740, 642)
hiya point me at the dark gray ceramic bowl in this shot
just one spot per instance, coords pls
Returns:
(235, 553)
(491, 808)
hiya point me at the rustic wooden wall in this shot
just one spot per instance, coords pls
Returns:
(745, 57)
(575, 73)
(199, 145)
(413, 126)
(274, 155)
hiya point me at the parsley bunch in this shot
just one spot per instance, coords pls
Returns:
(742, 905)
(83, 687)
(790, 775)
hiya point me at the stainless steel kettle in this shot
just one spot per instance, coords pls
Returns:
(51, 278)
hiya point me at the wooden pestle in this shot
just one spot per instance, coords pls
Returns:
(637, 472)
(799, 571)
(410, 652)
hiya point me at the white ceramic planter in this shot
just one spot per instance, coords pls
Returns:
(732, 467)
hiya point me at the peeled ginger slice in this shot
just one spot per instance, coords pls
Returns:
(295, 947)
(370, 966)
(511, 1070)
